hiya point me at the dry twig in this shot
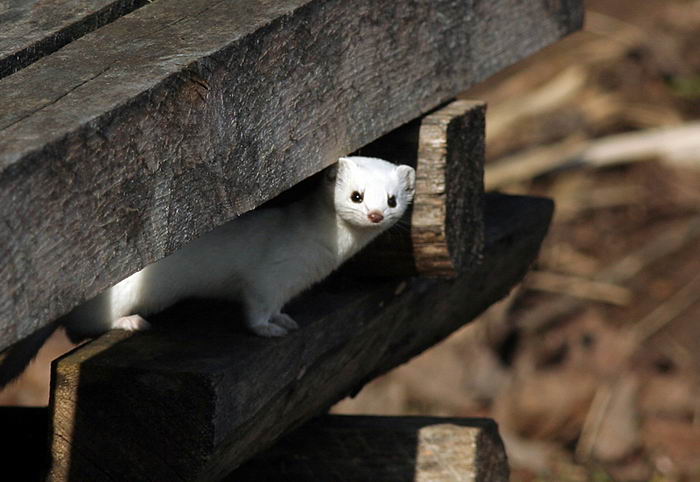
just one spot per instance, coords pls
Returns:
(679, 144)
(676, 236)
(578, 287)
(667, 311)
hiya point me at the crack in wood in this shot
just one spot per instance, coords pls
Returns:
(16, 60)
(56, 100)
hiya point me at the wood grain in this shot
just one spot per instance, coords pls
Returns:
(353, 447)
(32, 30)
(137, 137)
(195, 397)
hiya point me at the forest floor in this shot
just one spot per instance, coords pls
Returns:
(592, 366)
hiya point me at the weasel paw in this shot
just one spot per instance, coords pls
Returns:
(285, 321)
(268, 330)
(131, 323)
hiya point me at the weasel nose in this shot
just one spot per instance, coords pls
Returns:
(375, 217)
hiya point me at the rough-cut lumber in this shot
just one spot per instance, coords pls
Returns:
(137, 137)
(348, 448)
(442, 235)
(32, 30)
(193, 398)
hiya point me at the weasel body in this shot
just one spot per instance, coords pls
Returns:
(262, 259)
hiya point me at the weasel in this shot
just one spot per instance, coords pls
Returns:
(262, 259)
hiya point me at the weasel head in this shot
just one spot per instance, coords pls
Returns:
(370, 193)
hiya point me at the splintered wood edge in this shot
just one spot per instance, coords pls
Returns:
(447, 217)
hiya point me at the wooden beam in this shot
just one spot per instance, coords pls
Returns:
(32, 30)
(351, 447)
(195, 397)
(442, 235)
(137, 137)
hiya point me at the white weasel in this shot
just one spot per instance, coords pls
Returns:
(262, 259)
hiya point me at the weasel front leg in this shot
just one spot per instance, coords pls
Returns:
(284, 320)
(261, 325)
(264, 321)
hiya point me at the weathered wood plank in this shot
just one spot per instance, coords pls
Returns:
(130, 141)
(442, 234)
(209, 397)
(31, 30)
(350, 448)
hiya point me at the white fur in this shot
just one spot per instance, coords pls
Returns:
(264, 258)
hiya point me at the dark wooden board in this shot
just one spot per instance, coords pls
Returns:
(30, 30)
(25, 455)
(194, 397)
(137, 137)
(348, 448)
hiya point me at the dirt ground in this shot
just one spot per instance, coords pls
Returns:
(591, 366)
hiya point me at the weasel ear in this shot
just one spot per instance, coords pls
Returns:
(343, 165)
(408, 177)
(346, 163)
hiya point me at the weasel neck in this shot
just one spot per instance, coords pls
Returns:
(334, 233)
(351, 238)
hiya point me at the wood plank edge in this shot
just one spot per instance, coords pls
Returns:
(28, 54)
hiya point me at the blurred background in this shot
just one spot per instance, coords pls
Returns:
(592, 366)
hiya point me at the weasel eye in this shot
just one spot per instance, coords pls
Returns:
(392, 201)
(356, 197)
